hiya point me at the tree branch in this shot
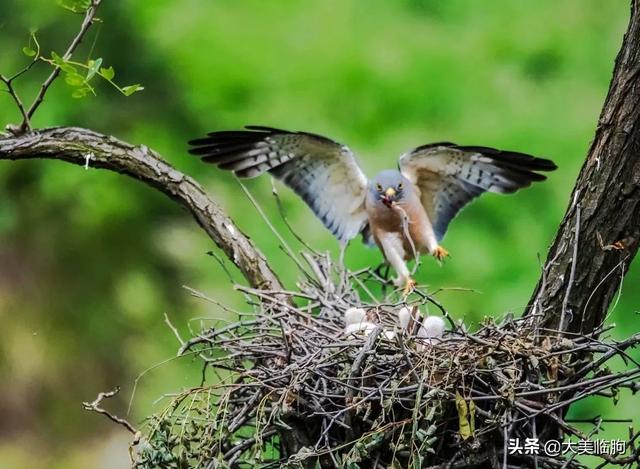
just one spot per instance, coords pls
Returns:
(95, 406)
(599, 234)
(26, 122)
(8, 81)
(89, 17)
(87, 148)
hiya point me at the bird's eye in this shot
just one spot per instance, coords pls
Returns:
(378, 187)
(400, 186)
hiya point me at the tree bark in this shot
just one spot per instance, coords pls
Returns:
(598, 236)
(91, 149)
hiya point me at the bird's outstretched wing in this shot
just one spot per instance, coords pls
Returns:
(323, 172)
(449, 176)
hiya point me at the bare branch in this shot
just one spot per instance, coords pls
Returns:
(86, 24)
(8, 81)
(95, 407)
(26, 123)
(82, 147)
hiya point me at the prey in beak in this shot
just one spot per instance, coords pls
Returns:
(388, 198)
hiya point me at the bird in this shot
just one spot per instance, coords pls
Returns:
(405, 211)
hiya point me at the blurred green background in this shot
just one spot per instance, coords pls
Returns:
(90, 261)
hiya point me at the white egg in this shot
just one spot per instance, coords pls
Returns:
(364, 327)
(432, 328)
(404, 316)
(390, 335)
(354, 316)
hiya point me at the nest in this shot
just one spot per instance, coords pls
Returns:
(289, 388)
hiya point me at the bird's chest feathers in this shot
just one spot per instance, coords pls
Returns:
(398, 221)
(395, 219)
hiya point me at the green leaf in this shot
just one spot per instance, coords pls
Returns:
(28, 51)
(67, 68)
(79, 93)
(57, 59)
(129, 90)
(108, 73)
(94, 66)
(62, 63)
(77, 6)
(74, 79)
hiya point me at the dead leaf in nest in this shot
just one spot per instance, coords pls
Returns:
(535, 363)
(466, 414)
(552, 373)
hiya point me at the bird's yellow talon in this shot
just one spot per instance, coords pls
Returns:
(409, 286)
(440, 253)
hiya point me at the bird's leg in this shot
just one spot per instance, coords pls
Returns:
(343, 248)
(440, 253)
(393, 249)
(406, 282)
(409, 286)
(431, 242)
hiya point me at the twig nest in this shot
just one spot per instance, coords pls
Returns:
(310, 391)
(365, 327)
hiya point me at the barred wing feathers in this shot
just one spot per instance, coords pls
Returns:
(449, 176)
(324, 173)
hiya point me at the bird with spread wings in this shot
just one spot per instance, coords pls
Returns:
(405, 212)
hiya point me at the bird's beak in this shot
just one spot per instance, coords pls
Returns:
(387, 199)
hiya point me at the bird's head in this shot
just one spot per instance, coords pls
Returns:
(389, 187)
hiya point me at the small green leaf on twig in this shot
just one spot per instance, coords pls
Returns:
(73, 79)
(29, 50)
(56, 58)
(129, 90)
(77, 6)
(108, 73)
(94, 66)
(64, 65)
(79, 93)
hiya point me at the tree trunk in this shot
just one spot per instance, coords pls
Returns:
(598, 236)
